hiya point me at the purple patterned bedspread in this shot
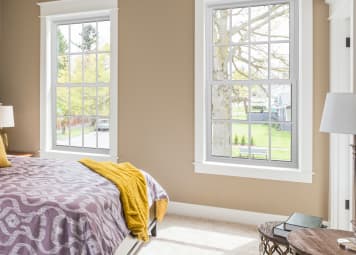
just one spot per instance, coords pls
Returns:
(61, 207)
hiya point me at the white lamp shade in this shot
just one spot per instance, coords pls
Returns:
(339, 114)
(6, 116)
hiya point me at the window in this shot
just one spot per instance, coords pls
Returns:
(250, 80)
(79, 79)
(253, 98)
(82, 91)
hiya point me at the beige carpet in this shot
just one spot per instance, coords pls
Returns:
(189, 236)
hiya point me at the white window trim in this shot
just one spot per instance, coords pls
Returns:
(304, 171)
(75, 9)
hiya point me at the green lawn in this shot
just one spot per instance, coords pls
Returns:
(280, 140)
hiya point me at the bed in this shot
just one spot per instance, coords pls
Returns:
(61, 207)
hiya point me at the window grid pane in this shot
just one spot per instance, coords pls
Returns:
(82, 91)
(251, 89)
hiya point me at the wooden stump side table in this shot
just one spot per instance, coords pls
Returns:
(271, 244)
(317, 241)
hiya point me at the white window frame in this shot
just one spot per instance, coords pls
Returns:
(303, 172)
(56, 12)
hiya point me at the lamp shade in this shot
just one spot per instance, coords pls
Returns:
(339, 114)
(6, 116)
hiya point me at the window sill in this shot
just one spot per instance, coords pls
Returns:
(256, 172)
(70, 155)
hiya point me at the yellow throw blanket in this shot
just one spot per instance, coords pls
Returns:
(133, 194)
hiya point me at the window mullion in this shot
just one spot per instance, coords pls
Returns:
(82, 117)
(249, 86)
(250, 82)
(230, 77)
(69, 53)
(208, 87)
(270, 123)
(69, 80)
(69, 118)
(97, 89)
(269, 88)
(54, 77)
(255, 43)
(269, 42)
(249, 44)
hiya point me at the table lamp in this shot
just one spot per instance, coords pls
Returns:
(6, 121)
(339, 117)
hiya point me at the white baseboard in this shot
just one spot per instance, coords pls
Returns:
(222, 214)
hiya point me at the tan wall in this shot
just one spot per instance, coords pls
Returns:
(156, 104)
(20, 69)
(0, 21)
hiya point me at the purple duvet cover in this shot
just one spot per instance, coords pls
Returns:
(61, 207)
